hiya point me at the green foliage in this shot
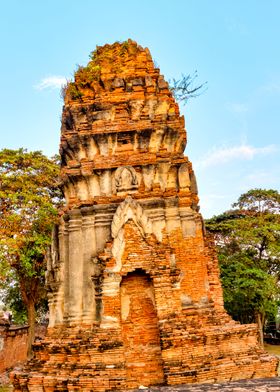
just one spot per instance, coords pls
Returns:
(29, 202)
(85, 76)
(248, 243)
(259, 201)
(247, 289)
(107, 53)
(114, 57)
(72, 89)
(11, 297)
(6, 388)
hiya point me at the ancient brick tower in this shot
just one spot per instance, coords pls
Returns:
(134, 291)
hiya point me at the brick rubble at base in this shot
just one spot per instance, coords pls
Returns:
(134, 290)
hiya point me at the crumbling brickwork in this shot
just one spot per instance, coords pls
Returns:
(134, 290)
(13, 346)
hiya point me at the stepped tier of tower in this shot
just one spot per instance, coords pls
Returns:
(133, 283)
(123, 123)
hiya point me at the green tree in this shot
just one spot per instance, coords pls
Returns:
(29, 198)
(248, 244)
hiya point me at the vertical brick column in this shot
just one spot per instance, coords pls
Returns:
(66, 266)
(188, 222)
(60, 292)
(89, 249)
(75, 267)
(103, 220)
(172, 214)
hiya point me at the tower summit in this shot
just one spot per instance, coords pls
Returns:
(134, 290)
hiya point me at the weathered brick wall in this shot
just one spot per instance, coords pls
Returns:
(134, 290)
(157, 338)
(13, 346)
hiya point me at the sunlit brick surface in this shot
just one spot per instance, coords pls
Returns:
(134, 290)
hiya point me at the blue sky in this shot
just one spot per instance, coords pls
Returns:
(233, 128)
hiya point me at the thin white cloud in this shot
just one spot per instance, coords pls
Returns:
(216, 196)
(51, 82)
(263, 178)
(224, 155)
(236, 27)
(238, 107)
(273, 87)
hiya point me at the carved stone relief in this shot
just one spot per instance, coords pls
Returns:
(135, 108)
(126, 179)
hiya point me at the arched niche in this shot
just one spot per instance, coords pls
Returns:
(140, 329)
(127, 210)
(130, 209)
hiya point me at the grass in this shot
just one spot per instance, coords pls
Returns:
(275, 350)
(272, 349)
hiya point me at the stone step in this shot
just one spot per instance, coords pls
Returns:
(256, 385)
